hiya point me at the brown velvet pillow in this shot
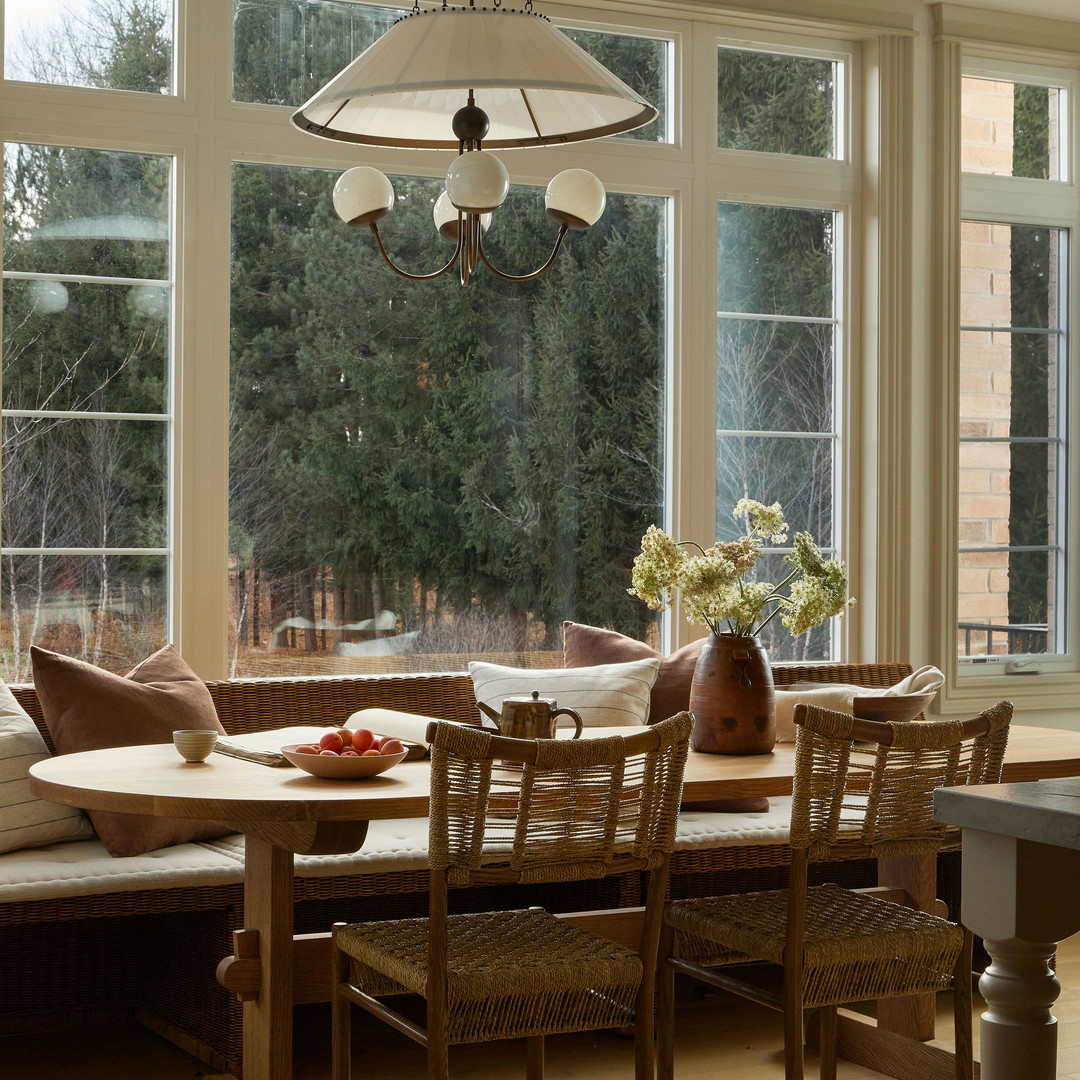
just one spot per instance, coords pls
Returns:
(586, 645)
(88, 708)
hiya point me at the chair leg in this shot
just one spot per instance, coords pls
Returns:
(794, 1029)
(665, 1008)
(534, 1057)
(827, 1041)
(340, 1019)
(962, 1007)
(438, 1059)
(645, 1027)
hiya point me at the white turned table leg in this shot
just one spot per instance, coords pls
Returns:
(1020, 897)
(1018, 1035)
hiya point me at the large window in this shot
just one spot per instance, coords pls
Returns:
(779, 103)
(777, 325)
(92, 43)
(229, 426)
(86, 381)
(436, 471)
(1013, 500)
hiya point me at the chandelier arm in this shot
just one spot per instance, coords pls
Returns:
(524, 277)
(404, 273)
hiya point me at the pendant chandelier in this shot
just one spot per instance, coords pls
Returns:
(472, 79)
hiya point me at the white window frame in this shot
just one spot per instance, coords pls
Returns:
(983, 44)
(787, 180)
(1051, 203)
(207, 133)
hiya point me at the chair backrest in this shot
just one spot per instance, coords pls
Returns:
(873, 783)
(544, 810)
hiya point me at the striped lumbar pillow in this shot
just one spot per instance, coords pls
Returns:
(605, 695)
(25, 820)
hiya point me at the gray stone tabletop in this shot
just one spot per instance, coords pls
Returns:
(1046, 811)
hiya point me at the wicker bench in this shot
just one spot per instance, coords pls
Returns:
(88, 953)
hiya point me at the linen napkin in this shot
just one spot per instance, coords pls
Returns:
(840, 697)
(264, 747)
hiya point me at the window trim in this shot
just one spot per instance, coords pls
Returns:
(1001, 41)
(208, 133)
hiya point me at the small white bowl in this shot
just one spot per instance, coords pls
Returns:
(335, 767)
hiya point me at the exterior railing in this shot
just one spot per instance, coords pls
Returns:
(1020, 638)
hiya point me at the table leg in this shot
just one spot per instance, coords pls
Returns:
(262, 970)
(1018, 1032)
(917, 876)
(268, 910)
(1020, 897)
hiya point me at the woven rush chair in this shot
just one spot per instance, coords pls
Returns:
(527, 811)
(865, 786)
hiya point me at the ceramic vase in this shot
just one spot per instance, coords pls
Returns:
(732, 698)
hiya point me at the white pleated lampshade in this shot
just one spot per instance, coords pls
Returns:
(536, 86)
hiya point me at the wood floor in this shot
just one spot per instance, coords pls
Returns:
(718, 1037)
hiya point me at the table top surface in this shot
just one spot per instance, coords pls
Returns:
(1046, 811)
(155, 780)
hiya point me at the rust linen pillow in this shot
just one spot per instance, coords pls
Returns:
(88, 708)
(584, 646)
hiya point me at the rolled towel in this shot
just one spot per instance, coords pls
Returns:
(411, 728)
(925, 680)
(839, 698)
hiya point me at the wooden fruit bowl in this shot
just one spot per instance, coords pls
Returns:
(894, 709)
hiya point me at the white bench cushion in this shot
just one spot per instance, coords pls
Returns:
(400, 844)
(85, 868)
(709, 829)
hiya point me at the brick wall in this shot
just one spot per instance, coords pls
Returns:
(985, 367)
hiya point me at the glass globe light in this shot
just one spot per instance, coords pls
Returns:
(363, 195)
(477, 182)
(575, 198)
(446, 219)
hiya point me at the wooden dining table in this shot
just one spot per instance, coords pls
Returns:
(283, 811)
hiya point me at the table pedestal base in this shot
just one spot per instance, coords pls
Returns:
(262, 971)
(268, 910)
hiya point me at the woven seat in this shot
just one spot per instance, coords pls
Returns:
(524, 811)
(839, 945)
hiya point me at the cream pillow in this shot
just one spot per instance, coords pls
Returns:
(25, 820)
(605, 695)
